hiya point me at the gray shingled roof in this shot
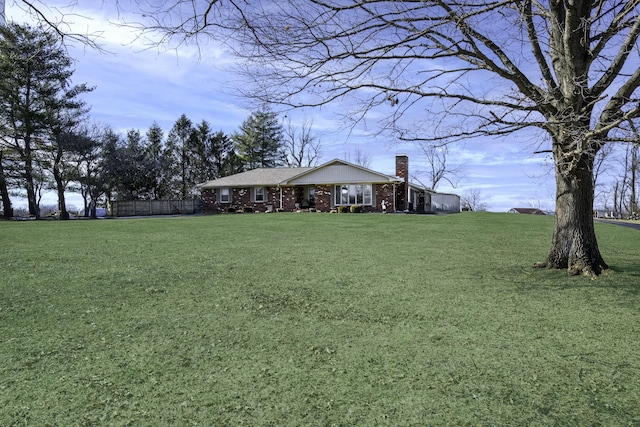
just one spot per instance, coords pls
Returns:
(256, 177)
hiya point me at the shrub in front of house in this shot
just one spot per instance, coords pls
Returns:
(343, 209)
(230, 209)
(356, 209)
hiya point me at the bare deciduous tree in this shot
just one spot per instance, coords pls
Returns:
(438, 169)
(446, 71)
(634, 170)
(622, 166)
(472, 199)
(627, 183)
(301, 146)
(359, 157)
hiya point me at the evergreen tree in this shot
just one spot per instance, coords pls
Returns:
(160, 164)
(259, 142)
(63, 142)
(128, 167)
(86, 162)
(57, 160)
(225, 160)
(202, 157)
(109, 162)
(102, 161)
(180, 142)
(138, 171)
(35, 87)
(213, 154)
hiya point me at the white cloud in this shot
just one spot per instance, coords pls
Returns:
(136, 86)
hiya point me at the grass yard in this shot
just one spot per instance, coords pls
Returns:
(314, 320)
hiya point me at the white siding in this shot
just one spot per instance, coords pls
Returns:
(339, 174)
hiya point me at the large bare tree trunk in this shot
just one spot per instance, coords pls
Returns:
(574, 245)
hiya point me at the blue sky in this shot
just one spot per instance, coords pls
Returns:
(136, 86)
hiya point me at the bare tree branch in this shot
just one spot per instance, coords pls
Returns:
(302, 148)
(62, 21)
(439, 168)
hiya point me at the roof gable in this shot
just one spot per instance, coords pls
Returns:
(339, 172)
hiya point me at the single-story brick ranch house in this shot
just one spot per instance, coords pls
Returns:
(324, 188)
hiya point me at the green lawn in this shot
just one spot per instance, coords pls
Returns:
(314, 320)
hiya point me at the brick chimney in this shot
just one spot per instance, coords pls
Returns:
(402, 171)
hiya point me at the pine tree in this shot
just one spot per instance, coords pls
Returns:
(35, 91)
(158, 161)
(213, 154)
(178, 149)
(225, 160)
(259, 142)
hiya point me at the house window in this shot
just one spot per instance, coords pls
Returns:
(368, 195)
(353, 194)
(224, 195)
(258, 194)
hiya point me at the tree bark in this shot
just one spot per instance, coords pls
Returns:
(60, 181)
(32, 199)
(574, 245)
(7, 208)
(62, 203)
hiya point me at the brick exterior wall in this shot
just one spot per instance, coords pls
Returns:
(384, 192)
(208, 198)
(240, 197)
(289, 198)
(323, 198)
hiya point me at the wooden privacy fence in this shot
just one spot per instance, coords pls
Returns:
(154, 207)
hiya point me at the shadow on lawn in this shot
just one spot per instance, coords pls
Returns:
(630, 281)
(624, 279)
(627, 270)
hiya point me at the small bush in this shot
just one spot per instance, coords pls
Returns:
(247, 209)
(343, 209)
(356, 209)
(230, 209)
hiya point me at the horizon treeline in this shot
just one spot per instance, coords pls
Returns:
(48, 143)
